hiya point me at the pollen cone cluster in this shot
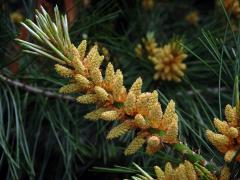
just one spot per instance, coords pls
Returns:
(227, 141)
(185, 171)
(167, 60)
(133, 109)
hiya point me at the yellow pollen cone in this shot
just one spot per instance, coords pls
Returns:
(87, 99)
(119, 130)
(135, 145)
(63, 71)
(110, 115)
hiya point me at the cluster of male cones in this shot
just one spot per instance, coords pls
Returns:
(167, 60)
(133, 109)
(188, 171)
(227, 141)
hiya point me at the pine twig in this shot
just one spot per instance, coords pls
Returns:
(36, 90)
(195, 158)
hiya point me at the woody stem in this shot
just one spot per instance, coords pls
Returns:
(195, 158)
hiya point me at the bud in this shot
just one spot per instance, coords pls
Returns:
(140, 121)
(153, 141)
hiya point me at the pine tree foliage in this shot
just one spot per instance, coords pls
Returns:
(44, 134)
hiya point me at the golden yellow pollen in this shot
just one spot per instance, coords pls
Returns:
(140, 121)
(110, 115)
(130, 103)
(136, 87)
(109, 75)
(159, 173)
(227, 141)
(82, 81)
(185, 171)
(96, 76)
(63, 71)
(221, 126)
(155, 115)
(168, 171)
(167, 60)
(171, 135)
(233, 132)
(113, 101)
(70, 88)
(190, 171)
(231, 115)
(181, 173)
(136, 144)
(87, 99)
(101, 93)
(119, 130)
(218, 140)
(94, 59)
(118, 86)
(132, 108)
(229, 155)
(82, 49)
(95, 115)
(169, 113)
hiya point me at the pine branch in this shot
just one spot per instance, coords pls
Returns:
(134, 109)
(36, 90)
